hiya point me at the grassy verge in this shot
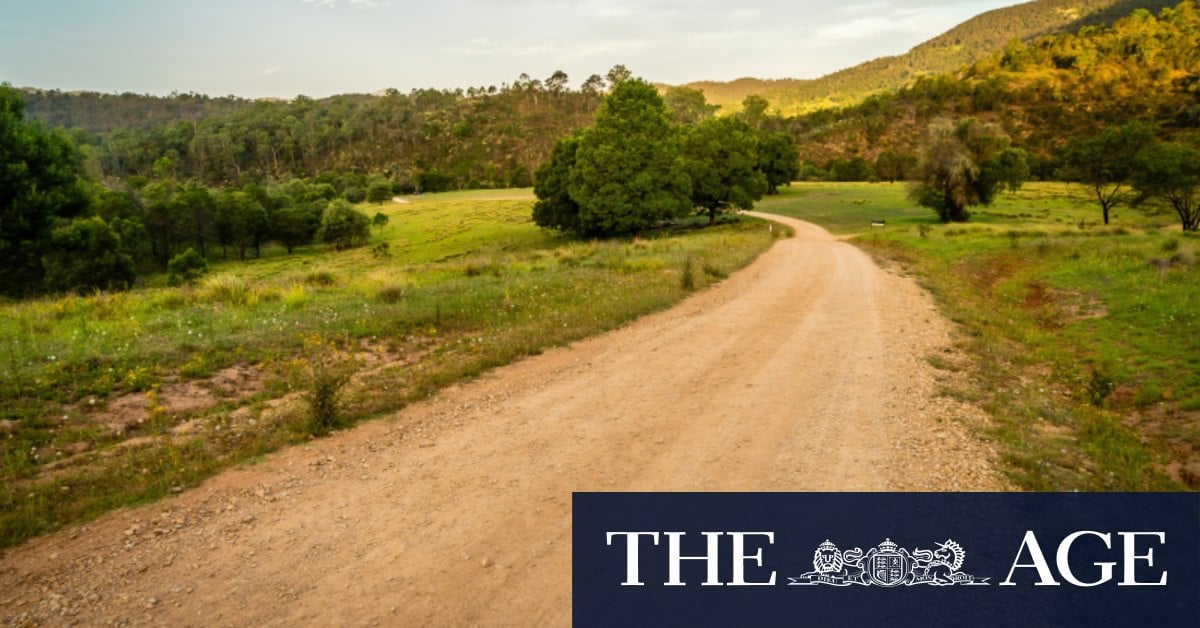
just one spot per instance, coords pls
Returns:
(1085, 336)
(115, 399)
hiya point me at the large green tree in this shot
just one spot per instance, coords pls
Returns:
(39, 184)
(1170, 172)
(1105, 162)
(555, 208)
(628, 173)
(778, 160)
(964, 164)
(722, 161)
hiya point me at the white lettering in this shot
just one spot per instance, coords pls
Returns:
(710, 558)
(632, 539)
(1131, 558)
(1030, 543)
(740, 557)
(1064, 559)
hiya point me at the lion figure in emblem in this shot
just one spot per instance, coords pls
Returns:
(829, 561)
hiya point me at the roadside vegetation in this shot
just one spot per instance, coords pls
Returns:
(113, 399)
(1082, 337)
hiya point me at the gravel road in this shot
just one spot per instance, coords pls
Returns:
(805, 371)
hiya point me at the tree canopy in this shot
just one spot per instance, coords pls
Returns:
(627, 173)
(39, 184)
(963, 164)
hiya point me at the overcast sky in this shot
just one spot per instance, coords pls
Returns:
(282, 48)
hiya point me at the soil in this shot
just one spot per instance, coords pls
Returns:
(805, 371)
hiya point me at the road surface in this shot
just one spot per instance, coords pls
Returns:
(805, 371)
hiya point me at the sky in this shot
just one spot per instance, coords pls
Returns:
(283, 48)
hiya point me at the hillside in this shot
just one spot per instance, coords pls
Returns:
(1043, 93)
(99, 113)
(949, 52)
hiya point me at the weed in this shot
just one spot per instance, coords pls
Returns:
(295, 296)
(321, 278)
(228, 289)
(687, 276)
(1170, 246)
(923, 230)
(1148, 395)
(1100, 385)
(714, 272)
(390, 293)
(1184, 257)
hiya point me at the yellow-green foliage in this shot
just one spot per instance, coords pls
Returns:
(470, 283)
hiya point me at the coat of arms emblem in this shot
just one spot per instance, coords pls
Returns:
(888, 565)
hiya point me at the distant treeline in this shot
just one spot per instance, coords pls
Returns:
(483, 137)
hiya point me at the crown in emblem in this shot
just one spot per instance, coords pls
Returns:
(888, 546)
(827, 545)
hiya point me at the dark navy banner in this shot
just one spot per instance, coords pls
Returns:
(886, 559)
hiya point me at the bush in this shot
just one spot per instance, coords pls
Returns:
(343, 227)
(87, 254)
(186, 267)
(326, 387)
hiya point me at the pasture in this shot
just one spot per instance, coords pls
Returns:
(113, 399)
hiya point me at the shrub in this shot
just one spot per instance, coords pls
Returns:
(186, 267)
(343, 227)
(322, 278)
(1100, 386)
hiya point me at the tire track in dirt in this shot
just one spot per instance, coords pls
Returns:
(804, 371)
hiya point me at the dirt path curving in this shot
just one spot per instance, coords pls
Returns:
(804, 371)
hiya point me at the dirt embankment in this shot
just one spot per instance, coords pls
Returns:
(804, 371)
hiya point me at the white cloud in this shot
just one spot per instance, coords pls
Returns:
(269, 71)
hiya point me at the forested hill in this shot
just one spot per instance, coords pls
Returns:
(99, 113)
(949, 52)
(481, 137)
(1043, 93)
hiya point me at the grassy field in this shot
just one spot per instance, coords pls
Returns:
(1084, 337)
(115, 399)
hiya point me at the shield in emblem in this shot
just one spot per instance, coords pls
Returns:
(887, 565)
(888, 569)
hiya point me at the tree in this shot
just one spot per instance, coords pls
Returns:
(618, 74)
(40, 182)
(86, 254)
(965, 164)
(292, 227)
(688, 106)
(754, 110)
(722, 161)
(628, 174)
(241, 221)
(555, 209)
(379, 192)
(379, 220)
(1105, 162)
(778, 160)
(892, 166)
(343, 227)
(1170, 171)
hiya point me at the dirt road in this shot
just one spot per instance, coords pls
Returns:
(805, 371)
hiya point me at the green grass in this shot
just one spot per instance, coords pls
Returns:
(468, 283)
(1086, 347)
